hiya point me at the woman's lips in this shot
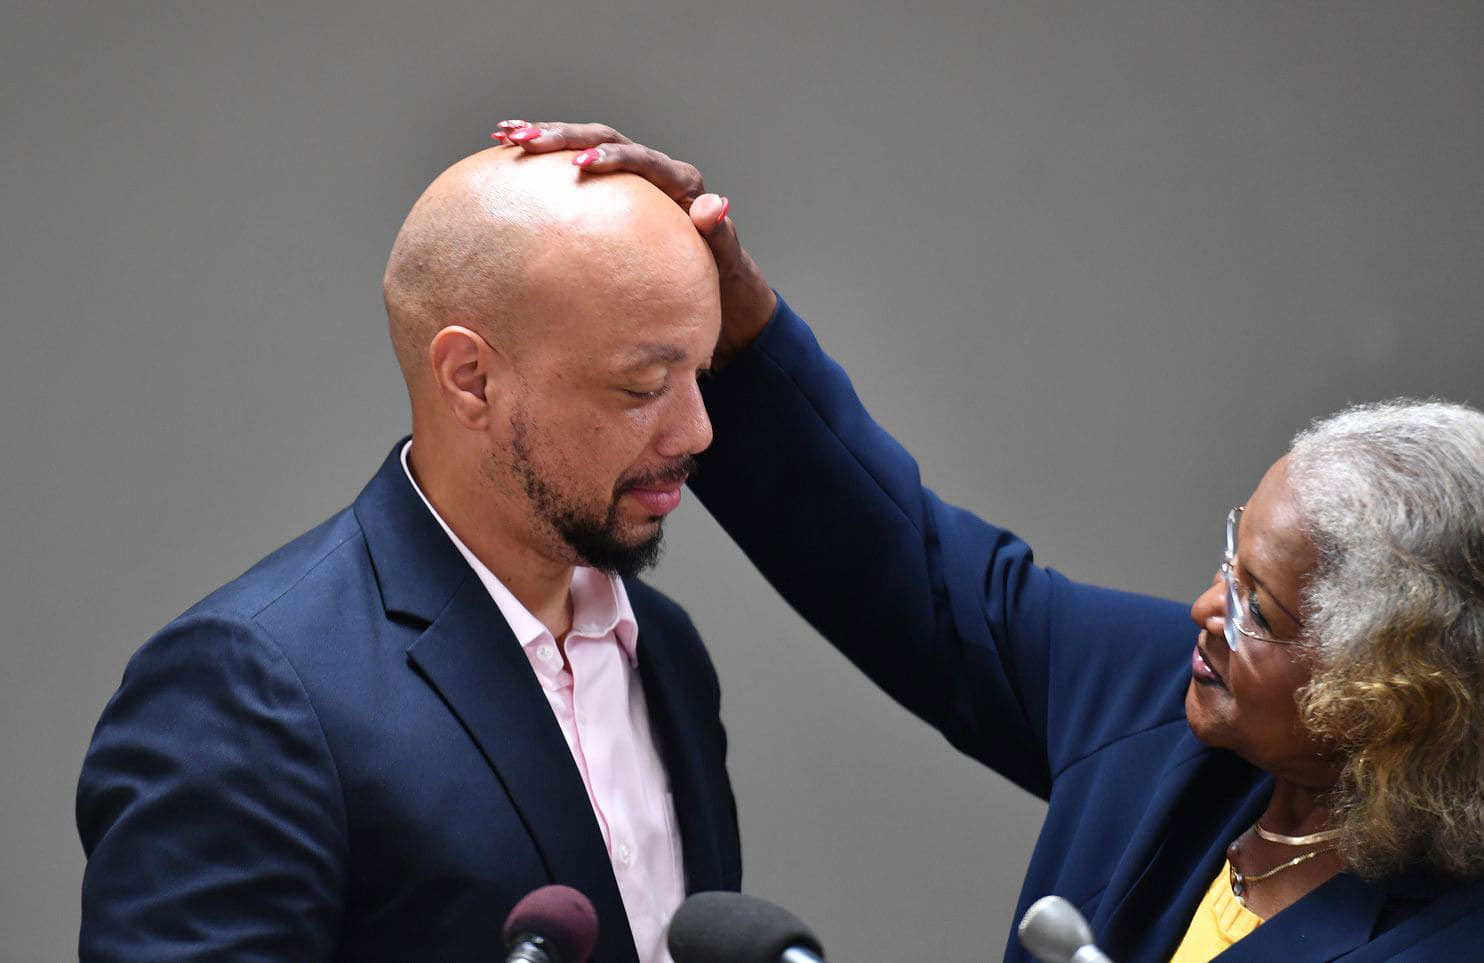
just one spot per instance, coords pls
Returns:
(1200, 668)
(657, 501)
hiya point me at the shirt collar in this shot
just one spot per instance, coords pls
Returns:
(600, 603)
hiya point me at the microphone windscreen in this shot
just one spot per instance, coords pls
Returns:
(1053, 931)
(560, 914)
(733, 928)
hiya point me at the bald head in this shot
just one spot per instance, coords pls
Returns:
(495, 228)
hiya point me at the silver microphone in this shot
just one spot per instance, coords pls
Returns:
(1054, 932)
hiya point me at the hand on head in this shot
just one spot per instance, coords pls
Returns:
(747, 301)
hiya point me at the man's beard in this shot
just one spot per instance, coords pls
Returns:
(596, 541)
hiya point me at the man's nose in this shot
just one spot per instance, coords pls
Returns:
(688, 430)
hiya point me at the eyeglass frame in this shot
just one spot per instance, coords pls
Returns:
(1235, 623)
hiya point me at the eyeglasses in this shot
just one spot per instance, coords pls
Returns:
(1238, 618)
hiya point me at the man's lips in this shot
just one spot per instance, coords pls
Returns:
(1201, 669)
(658, 498)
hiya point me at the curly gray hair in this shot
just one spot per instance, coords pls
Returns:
(1393, 497)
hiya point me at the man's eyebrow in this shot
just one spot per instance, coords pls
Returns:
(649, 354)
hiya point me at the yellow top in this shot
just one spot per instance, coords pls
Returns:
(1219, 922)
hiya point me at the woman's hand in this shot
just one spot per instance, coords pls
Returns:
(747, 302)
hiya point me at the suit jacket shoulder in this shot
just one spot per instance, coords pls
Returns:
(344, 754)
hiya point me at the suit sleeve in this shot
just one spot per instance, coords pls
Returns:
(209, 807)
(1017, 665)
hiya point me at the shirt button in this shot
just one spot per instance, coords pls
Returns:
(625, 854)
(546, 653)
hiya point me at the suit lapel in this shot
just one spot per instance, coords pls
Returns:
(672, 720)
(1163, 878)
(472, 660)
(1327, 923)
(1203, 794)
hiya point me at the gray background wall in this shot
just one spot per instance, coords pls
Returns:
(1093, 262)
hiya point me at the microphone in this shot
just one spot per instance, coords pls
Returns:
(732, 928)
(553, 924)
(1055, 932)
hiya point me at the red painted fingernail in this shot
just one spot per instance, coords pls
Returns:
(497, 135)
(726, 205)
(590, 156)
(512, 124)
(526, 134)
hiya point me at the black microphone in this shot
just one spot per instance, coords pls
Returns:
(1055, 932)
(733, 928)
(553, 924)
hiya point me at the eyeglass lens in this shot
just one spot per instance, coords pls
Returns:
(1233, 601)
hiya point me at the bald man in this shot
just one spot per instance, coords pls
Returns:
(379, 738)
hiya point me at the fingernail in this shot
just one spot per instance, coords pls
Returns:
(590, 156)
(726, 205)
(526, 134)
(512, 124)
(497, 135)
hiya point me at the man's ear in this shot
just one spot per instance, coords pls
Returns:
(467, 370)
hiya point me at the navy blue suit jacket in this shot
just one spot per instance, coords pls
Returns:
(344, 754)
(1074, 692)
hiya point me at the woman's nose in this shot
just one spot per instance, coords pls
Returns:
(1209, 609)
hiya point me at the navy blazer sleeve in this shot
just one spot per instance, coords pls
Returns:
(1017, 665)
(208, 806)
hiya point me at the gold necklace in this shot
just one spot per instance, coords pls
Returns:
(1239, 880)
(1323, 836)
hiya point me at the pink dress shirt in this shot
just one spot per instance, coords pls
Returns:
(600, 707)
